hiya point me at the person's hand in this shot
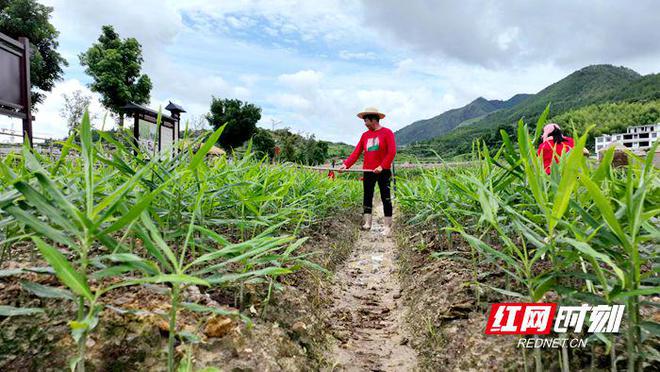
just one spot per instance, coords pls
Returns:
(342, 167)
(378, 169)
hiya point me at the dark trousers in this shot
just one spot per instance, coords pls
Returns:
(369, 183)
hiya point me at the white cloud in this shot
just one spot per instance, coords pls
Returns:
(48, 123)
(291, 101)
(250, 79)
(521, 32)
(301, 79)
(506, 38)
(330, 21)
(345, 54)
(328, 107)
(240, 22)
(155, 24)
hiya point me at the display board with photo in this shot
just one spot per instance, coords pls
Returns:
(148, 136)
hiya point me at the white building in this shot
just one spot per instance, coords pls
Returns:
(637, 139)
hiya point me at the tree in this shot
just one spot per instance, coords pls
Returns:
(312, 152)
(263, 143)
(297, 148)
(241, 119)
(289, 152)
(31, 19)
(198, 123)
(74, 108)
(115, 65)
(322, 152)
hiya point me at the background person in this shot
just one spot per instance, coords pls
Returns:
(379, 150)
(553, 145)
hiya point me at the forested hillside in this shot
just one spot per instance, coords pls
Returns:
(430, 128)
(609, 118)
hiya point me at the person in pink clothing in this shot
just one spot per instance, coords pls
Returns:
(379, 149)
(553, 145)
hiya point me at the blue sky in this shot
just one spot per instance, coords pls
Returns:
(313, 65)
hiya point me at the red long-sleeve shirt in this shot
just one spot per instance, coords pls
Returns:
(379, 149)
(549, 151)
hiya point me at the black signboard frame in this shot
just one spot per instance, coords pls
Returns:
(148, 115)
(15, 99)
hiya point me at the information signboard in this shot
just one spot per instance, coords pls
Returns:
(15, 96)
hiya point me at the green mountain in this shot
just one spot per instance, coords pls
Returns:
(609, 118)
(430, 128)
(590, 85)
(646, 88)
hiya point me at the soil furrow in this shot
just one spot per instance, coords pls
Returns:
(367, 314)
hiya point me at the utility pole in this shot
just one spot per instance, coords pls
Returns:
(274, 123)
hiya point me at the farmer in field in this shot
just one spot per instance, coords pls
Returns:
(379, 151)
(553, 145)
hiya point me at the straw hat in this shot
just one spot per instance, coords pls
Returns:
(371, 110)
(216, 151)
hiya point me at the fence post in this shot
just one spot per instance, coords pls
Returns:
(25, 89)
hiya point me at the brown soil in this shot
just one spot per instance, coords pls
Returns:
(288, 332)
(443, 316)
(388, 307)
(446, 314)
(366, 317)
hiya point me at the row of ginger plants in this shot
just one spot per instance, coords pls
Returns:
(109, 214)
(586, 233)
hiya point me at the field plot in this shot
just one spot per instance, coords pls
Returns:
(197, 245)
(184, 186)
(112, 261)
(504, 231)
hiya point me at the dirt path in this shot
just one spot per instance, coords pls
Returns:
(367, 314)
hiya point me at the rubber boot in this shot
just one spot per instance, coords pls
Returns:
(367, 222)
(387, 226)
